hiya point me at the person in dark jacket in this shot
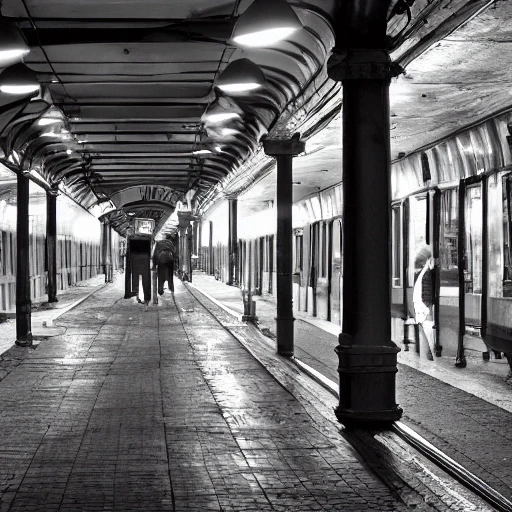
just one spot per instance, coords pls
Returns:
(163, 260)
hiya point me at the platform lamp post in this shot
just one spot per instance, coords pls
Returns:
(367, 356)
(283, 150)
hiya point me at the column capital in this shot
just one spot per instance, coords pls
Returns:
(292, 146)
(185, 218)
(53, 191)
(361, 64)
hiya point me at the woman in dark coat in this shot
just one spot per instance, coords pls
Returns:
(163, 259)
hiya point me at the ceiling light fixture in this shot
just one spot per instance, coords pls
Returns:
(257, 29)
(18, 79)
(221, 117)
(68, 151)
(241, 75)
(13, 46)
(44, 121)
(225, 132)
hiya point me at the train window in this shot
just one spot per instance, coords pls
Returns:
(323, 249)
(507, 235)
(419, 219)
(473, 249)
(2, 253)
(449, 232)
(397, 245)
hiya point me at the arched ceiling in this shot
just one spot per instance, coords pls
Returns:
(129, 82)
(134, 80)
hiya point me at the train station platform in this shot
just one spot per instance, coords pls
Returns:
(467, 413)
(180, 407)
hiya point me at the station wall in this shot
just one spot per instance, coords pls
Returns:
(78, 245)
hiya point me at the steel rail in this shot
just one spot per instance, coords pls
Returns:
(419, 443)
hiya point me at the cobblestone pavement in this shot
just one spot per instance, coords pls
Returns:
(159, 409)
(43, 312)
(474, 432)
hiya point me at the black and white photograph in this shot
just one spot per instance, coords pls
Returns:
(255, 255)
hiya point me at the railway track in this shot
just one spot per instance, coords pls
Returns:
(412, 439)
(427, 449)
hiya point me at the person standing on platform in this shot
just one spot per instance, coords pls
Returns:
(163, 259)
(423, 299)
(140, 265)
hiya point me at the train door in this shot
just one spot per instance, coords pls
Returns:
(322, 282)
(335, 236)
(448, 271)
(470, 254)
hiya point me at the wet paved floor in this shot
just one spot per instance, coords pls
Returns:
(42, 312)
(160, 408)
(472, 430)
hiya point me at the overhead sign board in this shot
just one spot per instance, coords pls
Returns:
(144, 226)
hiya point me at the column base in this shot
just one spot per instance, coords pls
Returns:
(285, 336)
(25, 341)
(367, 384)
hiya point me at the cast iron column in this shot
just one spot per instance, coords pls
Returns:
(283, 151)
(127, 271)
(233, 241)
(110, 254)
(211, 270)
(51, 243)
(185, 231)
(23, 302)
(190, 248)
(367, 356)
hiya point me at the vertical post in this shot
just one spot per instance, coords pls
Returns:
(110, 255)
(127, 271)
(283, 151)
(51, 243)
(200, 245)
(23, 302)
(185, 231)
(233, 241)
(367, 356)
(195, 244)
(210, 251)
(104, 252)
(460, 360)
(190, 245)
(183, 256)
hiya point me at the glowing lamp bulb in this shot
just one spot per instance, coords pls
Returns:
(221, 117)
(47, 120)
(12, 55)
(19, 89)
(241, 87)
(264, 37)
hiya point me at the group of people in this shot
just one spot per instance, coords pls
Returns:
(163, 257)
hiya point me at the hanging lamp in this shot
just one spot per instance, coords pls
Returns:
(12, 45)
(264, 23)
(241, 75)
(18, 79)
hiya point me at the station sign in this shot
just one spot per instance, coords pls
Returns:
(144, 226)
